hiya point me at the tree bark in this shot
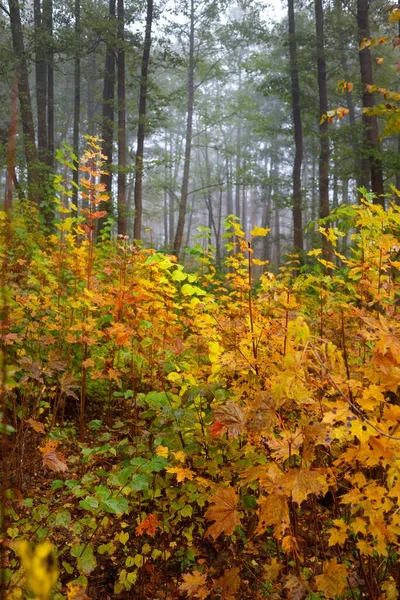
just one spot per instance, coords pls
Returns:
(41, 80)
(298, 134)
(77, 99)
(138, 193)
(24, 96)
(48, 27)
(370, 121)
(188, 140)
(108, 115)
(122, 205)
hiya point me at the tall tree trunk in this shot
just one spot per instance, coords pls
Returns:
(298, 134)
(24, 96)
(370, 121)
(138, 194)
(41, 80)
(48, 26)
(108, 114)
(323, 109)
(122, 205)
(77, 99)
(188, 140)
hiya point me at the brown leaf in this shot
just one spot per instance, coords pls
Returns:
(37, 426)
(230, 419)
(224, 513)
(228, 584)
(296, 588)
(76, 592)
(52, 461)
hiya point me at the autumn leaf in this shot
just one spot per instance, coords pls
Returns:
(338, 533)
(274, 511)
(333, 580)
(193, 584)
(224, 513)
(296, 588)
(229, 419)
(36, 426)
(162, 451)
(148, 525)
(181, 473)
(52, 459)
(75, 591)
(228, 584)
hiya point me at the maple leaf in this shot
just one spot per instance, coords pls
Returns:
(193, 584)
(229, 419)
(272, 570)
(179, 456)
(229, 583)
(338, 534)
(36, 426)
(181, 473)
(52, 459)
(303, 482)
(287, 446)
(274, 511)
(148, 525)
(162, 451)
(333, 580)
(224, 513)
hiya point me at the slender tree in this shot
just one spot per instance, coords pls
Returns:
(138, 192)
(41, 80)
(48, 30)
(188, 137)
(108, 110)
(370, 121)
(298, 133)
(122, 205)
(77, 99)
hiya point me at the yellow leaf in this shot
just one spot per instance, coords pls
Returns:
(379, 60)
(338, 534)
(224, 512)
(229, 583)
(162, 451)
(179, 456)
(333, 580)
(259, 231)
(40, 567)
(181, 473)
(274, 511)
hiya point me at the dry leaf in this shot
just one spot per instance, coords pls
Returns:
(37, 426)
(296, 589)
(52, 459)
(228, 419)
(76, 592)
(228, 584)
(148, 525)
(193, 584)
(224, 513)
(181, 473)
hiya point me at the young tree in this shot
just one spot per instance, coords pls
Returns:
(122, 206)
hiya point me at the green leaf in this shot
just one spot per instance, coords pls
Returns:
(177, 275)
(139, 483)
(62, 518)
(89, 503)
(87, 562)
(57, 484)
(115, 506)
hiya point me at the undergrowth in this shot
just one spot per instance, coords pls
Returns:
(171, 435)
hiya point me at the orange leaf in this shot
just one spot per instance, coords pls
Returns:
(148, 525)
(52, 459)
(224, 513)
(181, 473)
(193, 584)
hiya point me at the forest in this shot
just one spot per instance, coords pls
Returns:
(199, 300)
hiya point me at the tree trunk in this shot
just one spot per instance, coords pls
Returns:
(122, 205)
(48, 26)
(370, 121)
(24, 96)
(138, 194)
(41, 80)
(188, 141)
(77, 99)
(298, 134)
(108, 115)
(323, 109)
